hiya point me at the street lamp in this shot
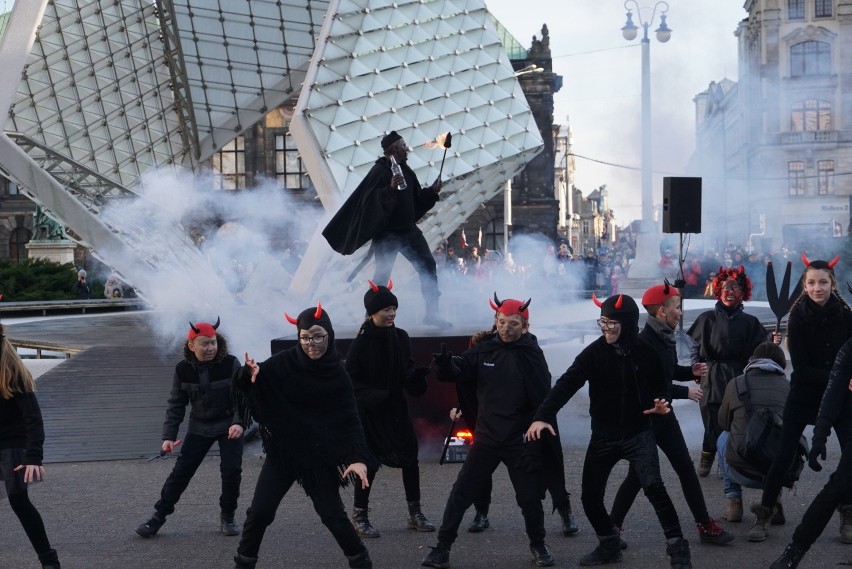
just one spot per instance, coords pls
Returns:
(644, 265)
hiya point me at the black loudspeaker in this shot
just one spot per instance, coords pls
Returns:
(681, 205)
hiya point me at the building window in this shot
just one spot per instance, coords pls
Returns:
(825, 177)
(586, 230)
(796, 178)
(822, 8)
(796, 9)
(18, 240)
(230, 165)
(810, 58)
(810, 115)
(289, 170)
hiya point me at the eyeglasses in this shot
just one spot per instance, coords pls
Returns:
(315, 339)
(607, 324)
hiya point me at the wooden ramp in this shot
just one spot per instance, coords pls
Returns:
(107, 402)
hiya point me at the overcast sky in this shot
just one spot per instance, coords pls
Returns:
(601, 90)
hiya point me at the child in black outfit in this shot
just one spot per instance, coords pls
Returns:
(21, 443)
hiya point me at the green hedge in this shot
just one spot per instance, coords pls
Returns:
(37, 279)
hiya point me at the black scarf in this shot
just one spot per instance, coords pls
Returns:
(307, 413)
(728, 312)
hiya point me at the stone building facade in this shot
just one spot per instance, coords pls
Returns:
(775, 147)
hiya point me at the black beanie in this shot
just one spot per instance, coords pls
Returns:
(307, 318)
(621, 308)
(390, 139)
(375, 300)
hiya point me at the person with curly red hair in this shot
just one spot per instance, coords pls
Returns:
(725, 337)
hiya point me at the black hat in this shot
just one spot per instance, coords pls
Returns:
(619, 307)
(378, 297)
(390, 139)
(310, 317)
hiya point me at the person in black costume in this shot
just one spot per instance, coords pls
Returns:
(21, 448)
(819, 323)
(725, 338)
(377, 210)
(834, 410)
(511, 378)
(663, 304)
(203, 380)
(303, 401)
(382, 371)
(553, 469)
(626, 384)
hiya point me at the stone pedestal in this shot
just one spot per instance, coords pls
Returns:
(60, 251)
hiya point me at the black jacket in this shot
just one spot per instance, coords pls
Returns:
(836, 401)
(672, 371)
(21, 426)
(382, 371)
(511, 381)
(814, 336)
(374, 208)
(621, 388)
(725, 340)
(209, 389)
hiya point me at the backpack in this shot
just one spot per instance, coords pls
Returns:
(762, 440)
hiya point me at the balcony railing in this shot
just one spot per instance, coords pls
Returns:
(807, 137)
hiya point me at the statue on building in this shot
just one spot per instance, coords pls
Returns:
(45, 228)
(545, 41)
(535, 47)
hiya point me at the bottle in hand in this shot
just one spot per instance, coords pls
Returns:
(396, 170)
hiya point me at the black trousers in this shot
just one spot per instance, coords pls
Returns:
(641, 452)
(670, 439)
(323, 488)
(410, 482)
(193, 450)
(412, 245)
(790, 435)
(30, 520)
(837, 491)
(476, 471)
(712, 428)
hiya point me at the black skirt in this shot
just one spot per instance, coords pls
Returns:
(10, 458)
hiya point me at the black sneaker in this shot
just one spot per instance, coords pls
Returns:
(229, 526)
(479, 524)
(151, 527)
(607, 551)
(437, 558)
(541, 555)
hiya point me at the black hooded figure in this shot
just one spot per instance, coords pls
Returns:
(379, 211)
(303, 401)
(626, 384)
(383, 375)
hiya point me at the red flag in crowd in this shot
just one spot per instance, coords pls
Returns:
(463, 240)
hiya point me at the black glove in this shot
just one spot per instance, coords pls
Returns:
(416, 384)
(443, 359)
(817, 451)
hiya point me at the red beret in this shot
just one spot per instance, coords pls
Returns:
(659, 294)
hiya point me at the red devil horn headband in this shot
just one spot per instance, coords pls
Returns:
(619, 302)
(318, 313)
(216, 325)
(596, 301)
(525, 305)
(805, 260)
(375, 287)
(497, 301)
(194, 328)
(291, 320)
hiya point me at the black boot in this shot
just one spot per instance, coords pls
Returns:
(360, 561)
(416, 519)
(569, 526)
(49, 559)
(541, 555)
(362, 523)
(438, 558)
(229, 525)
(480, 522)
(152, 526)
(243, 562)
(678, 553)
(791, 557)
(607, 551)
